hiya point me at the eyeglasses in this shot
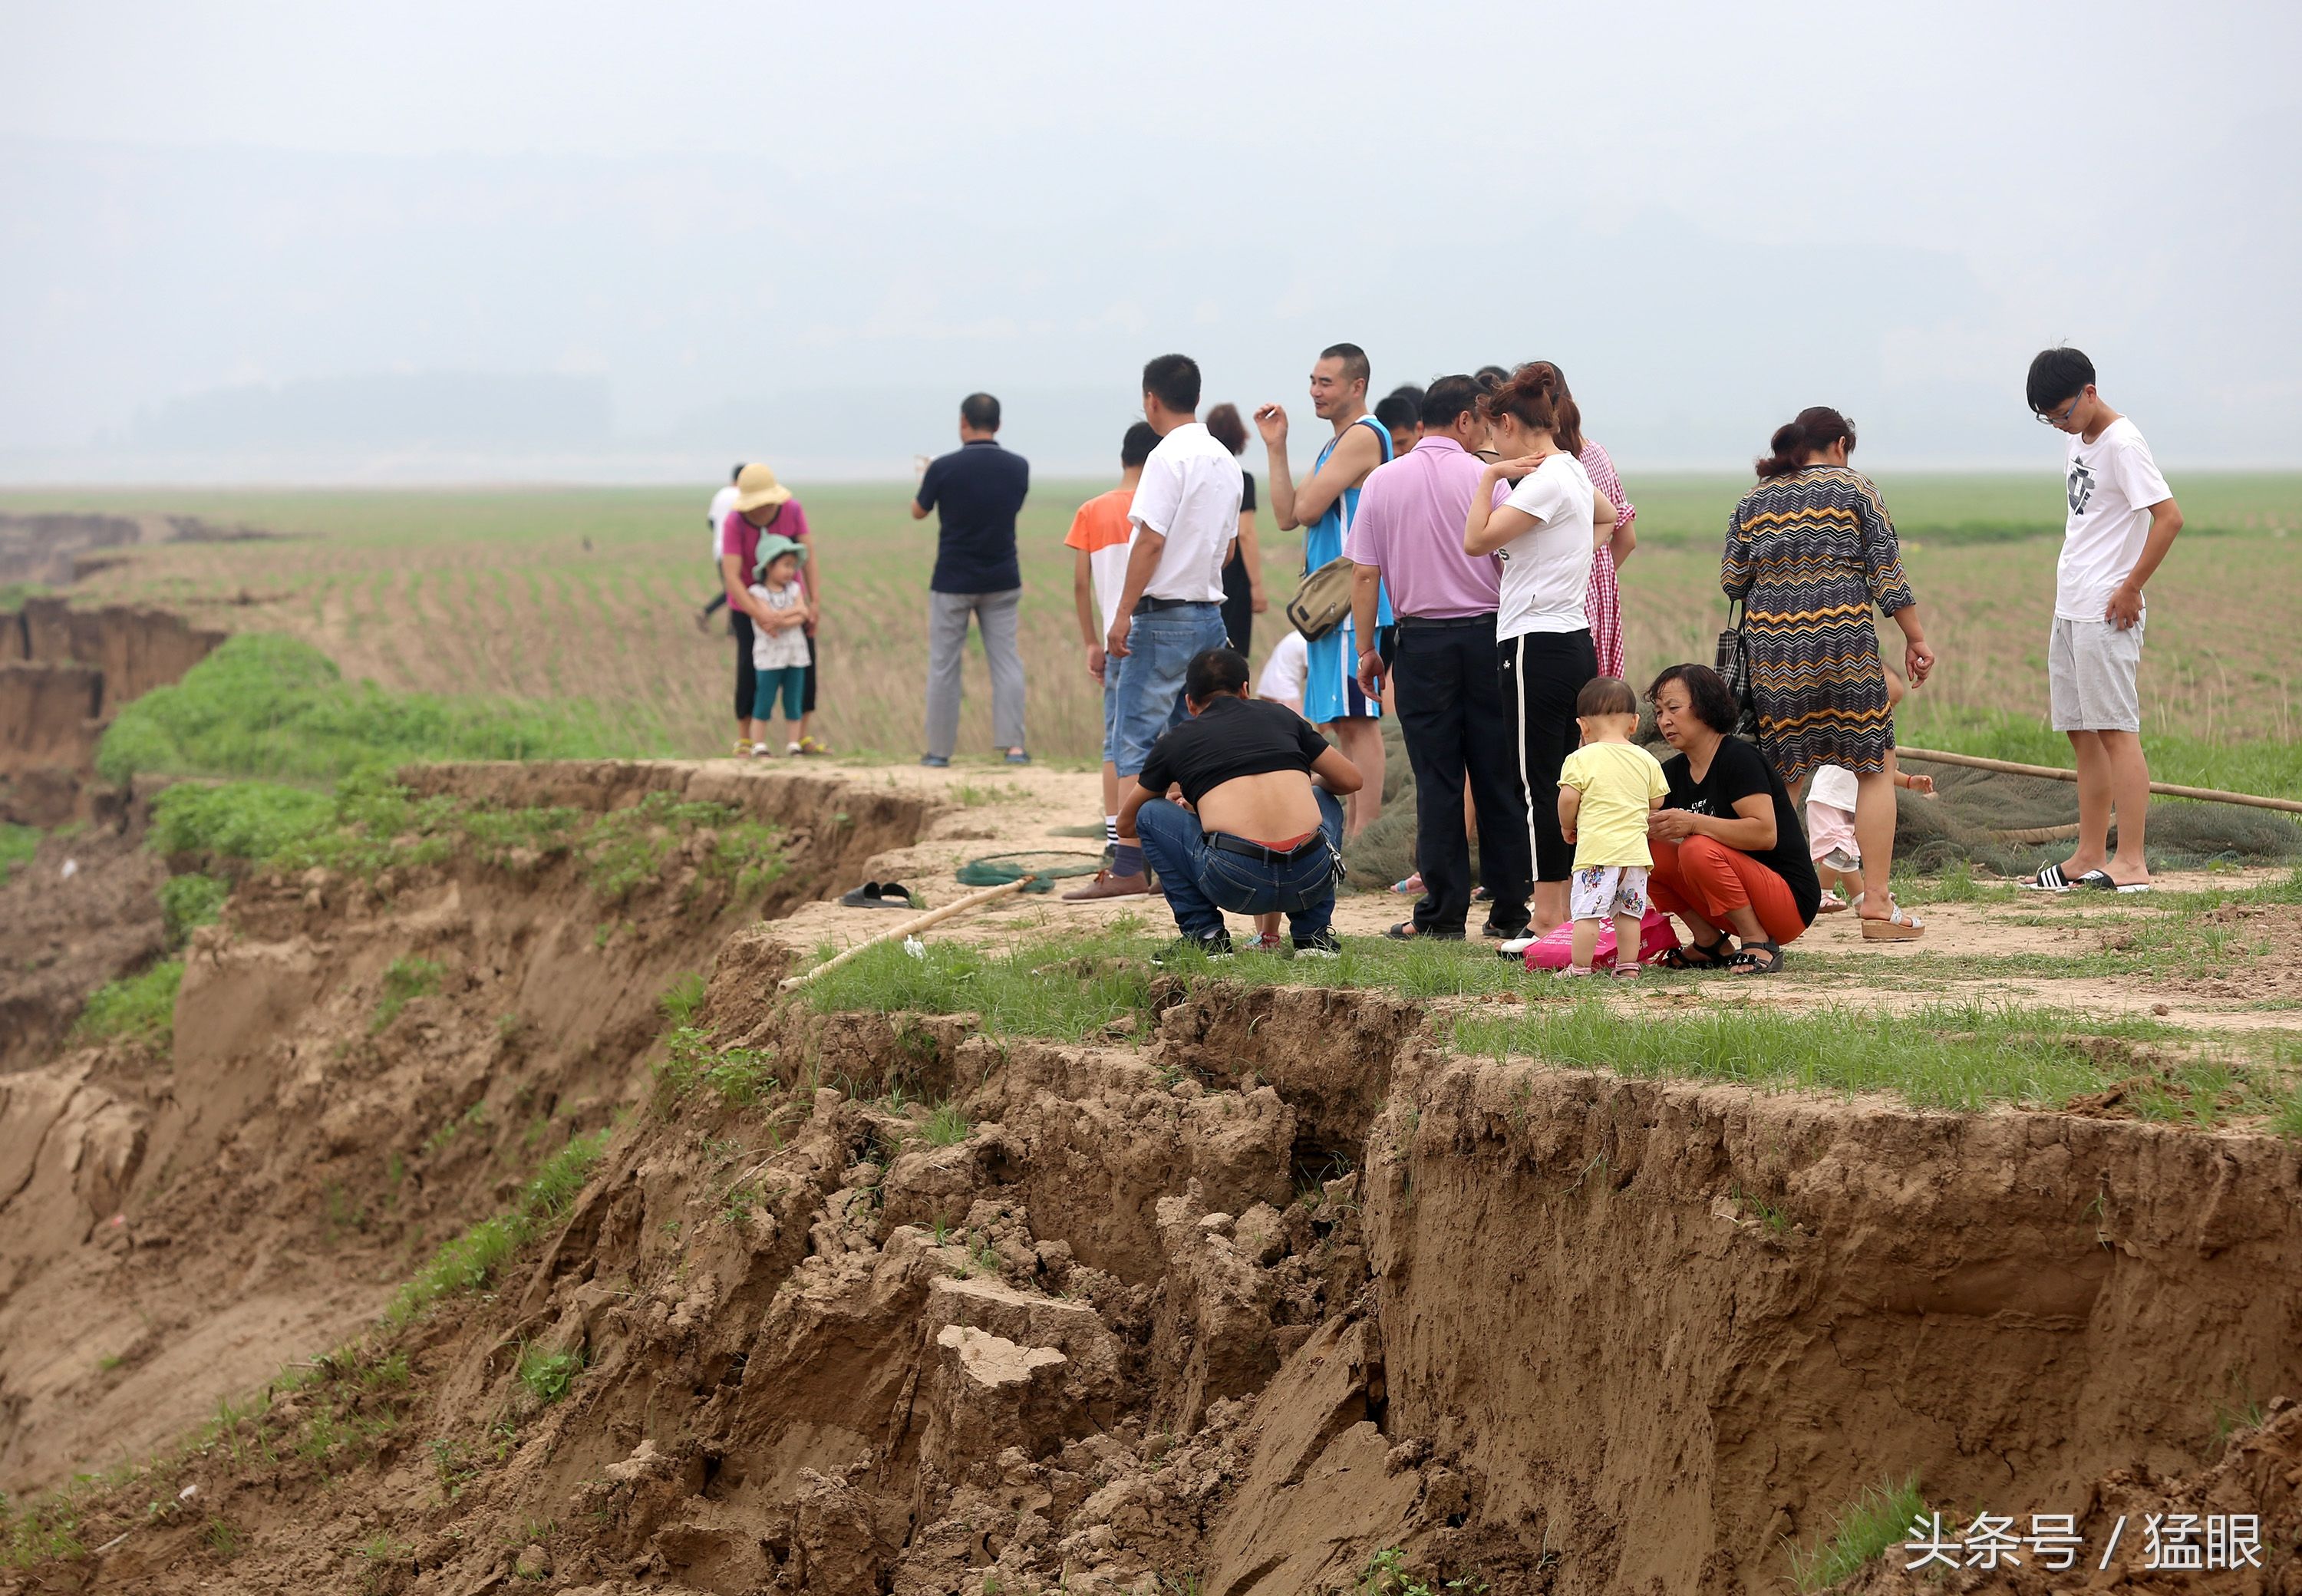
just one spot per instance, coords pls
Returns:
(2048, 419)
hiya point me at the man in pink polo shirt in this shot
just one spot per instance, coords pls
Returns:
(1444, 687)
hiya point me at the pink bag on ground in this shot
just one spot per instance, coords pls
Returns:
(1556, 951)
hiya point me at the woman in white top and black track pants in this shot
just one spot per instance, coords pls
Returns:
(1544, 532)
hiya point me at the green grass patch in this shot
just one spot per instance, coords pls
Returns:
(189, 902)
(18, 843)
(1948, 1056)
(371, 824)
(473, 1260)
(1066, 988)
(266, 705)
(137, 1008)
(405, 979)
(1878, 1520)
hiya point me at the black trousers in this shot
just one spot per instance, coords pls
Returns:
(1238, 605)
(1449, 698)
(746, 679)
(1541, 672)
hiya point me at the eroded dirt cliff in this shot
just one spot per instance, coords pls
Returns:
(1237, 1302)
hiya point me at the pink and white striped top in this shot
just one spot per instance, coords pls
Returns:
(1604, 599)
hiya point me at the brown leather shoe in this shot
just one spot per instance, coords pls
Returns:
(1107, 885)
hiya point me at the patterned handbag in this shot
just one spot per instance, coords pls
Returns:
(1734, 667)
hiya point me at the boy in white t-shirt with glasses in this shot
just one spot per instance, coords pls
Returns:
(2123, 520)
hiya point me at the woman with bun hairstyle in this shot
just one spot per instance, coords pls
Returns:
(1809, 551)
(1545, 532)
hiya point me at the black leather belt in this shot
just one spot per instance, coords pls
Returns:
(1418, 622)
(1254, 850)
(1146, 604)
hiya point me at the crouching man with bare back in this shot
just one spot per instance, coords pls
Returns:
(1260, 827)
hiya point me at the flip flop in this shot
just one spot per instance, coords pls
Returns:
(2104, 881)
(1901, 926)
(878, 895)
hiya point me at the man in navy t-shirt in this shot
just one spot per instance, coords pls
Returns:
(979, 487)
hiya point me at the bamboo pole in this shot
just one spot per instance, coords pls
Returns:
(2054, 772)
(918, 922)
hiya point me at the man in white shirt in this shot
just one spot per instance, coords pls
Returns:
(1285, 672)
(2123, 521)
(723, 503)
(1185, 514)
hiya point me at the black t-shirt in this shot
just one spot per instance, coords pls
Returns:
(1230, 738)
(1737, 770)
(1235, 564)
(980, 486)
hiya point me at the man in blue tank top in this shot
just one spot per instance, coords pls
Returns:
(1324, 507)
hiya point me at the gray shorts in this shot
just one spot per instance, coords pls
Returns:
(2090, 670)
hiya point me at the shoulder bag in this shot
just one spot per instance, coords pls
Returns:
(1734, 669)
(1324, 601)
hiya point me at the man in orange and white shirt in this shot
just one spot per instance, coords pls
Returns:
(1099, 536)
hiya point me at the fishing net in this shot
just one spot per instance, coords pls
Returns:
(997, 870)
(1987, 819)
(2013, 824)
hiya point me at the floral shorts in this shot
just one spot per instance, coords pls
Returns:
(1604, 891)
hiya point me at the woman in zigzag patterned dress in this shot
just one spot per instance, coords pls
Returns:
(1809, 551)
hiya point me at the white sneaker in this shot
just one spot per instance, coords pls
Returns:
(1514, 947)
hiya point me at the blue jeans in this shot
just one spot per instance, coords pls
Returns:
(1160, 644)
(1202, 882)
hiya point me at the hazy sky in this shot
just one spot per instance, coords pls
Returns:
(805, 231)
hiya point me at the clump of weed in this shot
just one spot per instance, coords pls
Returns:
(405, 979)
(1879, 1518)
(189, 902)
(738, 1076)
(18, 843)
(947, 1125)
(471, 1260)
(683, 1000)
(549, 1375)
(137, 1008)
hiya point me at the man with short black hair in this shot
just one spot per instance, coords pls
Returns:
(1099, 537)
(1260, 830)
(2123, 521)
(1324, 507)
(980, 487)
(1400, 412)
(1452, 711)
(1185, 513)
(716, 516)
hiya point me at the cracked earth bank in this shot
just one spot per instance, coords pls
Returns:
(1228, 1307)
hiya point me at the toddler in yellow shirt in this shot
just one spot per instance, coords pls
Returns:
(1605, 790)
